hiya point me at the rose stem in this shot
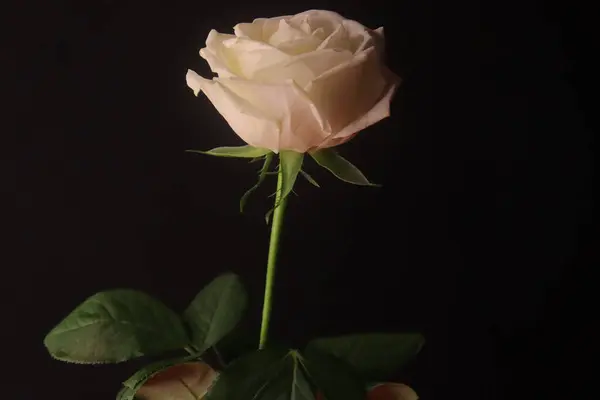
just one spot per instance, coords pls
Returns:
(273, 247)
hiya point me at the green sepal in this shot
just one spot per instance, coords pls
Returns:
(309, 178)
(290, 165)
(340, 167)
(262, 174)
(234, 151)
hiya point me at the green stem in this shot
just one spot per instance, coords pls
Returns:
(220, 358)
(273, 247)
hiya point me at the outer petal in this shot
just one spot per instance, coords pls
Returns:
(380, 111)
(360, 37)
(216, 55)
(300, 124)
(304, 68)
(348, 91)
(249, 123)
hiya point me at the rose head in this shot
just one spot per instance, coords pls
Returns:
(301, 83)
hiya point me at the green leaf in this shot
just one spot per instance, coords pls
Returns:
(335, 379)
(340, 167)
(291, 163)
(248, 376)
(290, 383)
(261, 177)
(377, 355)
(236, 151)
(116, 326)
(216, 310)
(309, 178)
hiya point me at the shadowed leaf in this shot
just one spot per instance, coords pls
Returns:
(332, 377)
(248, 376)
(115, 326)
(373, 355)
(216, 310)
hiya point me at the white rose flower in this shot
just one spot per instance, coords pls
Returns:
(302, 83)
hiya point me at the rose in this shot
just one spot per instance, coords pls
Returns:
(302, 82)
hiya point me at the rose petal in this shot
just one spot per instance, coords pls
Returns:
(188, 381)
(304, 68)
(293, 40)
(338, 40)
(300, 124)
(380, 111)
(349, 90)
(217, 56)
(328, 20)
(287, 33)
(260, 29)
(250, 56)
(392, 391)
(249, 30)
(360, 37)
(194, 81)
(249, 123)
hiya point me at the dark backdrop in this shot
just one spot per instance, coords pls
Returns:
(479, 237)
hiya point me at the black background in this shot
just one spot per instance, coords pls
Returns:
(480, 237)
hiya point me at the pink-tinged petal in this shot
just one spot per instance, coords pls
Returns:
(248, 122)
(300, 124)
(392, 391)
(179, 382)
(349, 90)
(379, 40)
(380, 111)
